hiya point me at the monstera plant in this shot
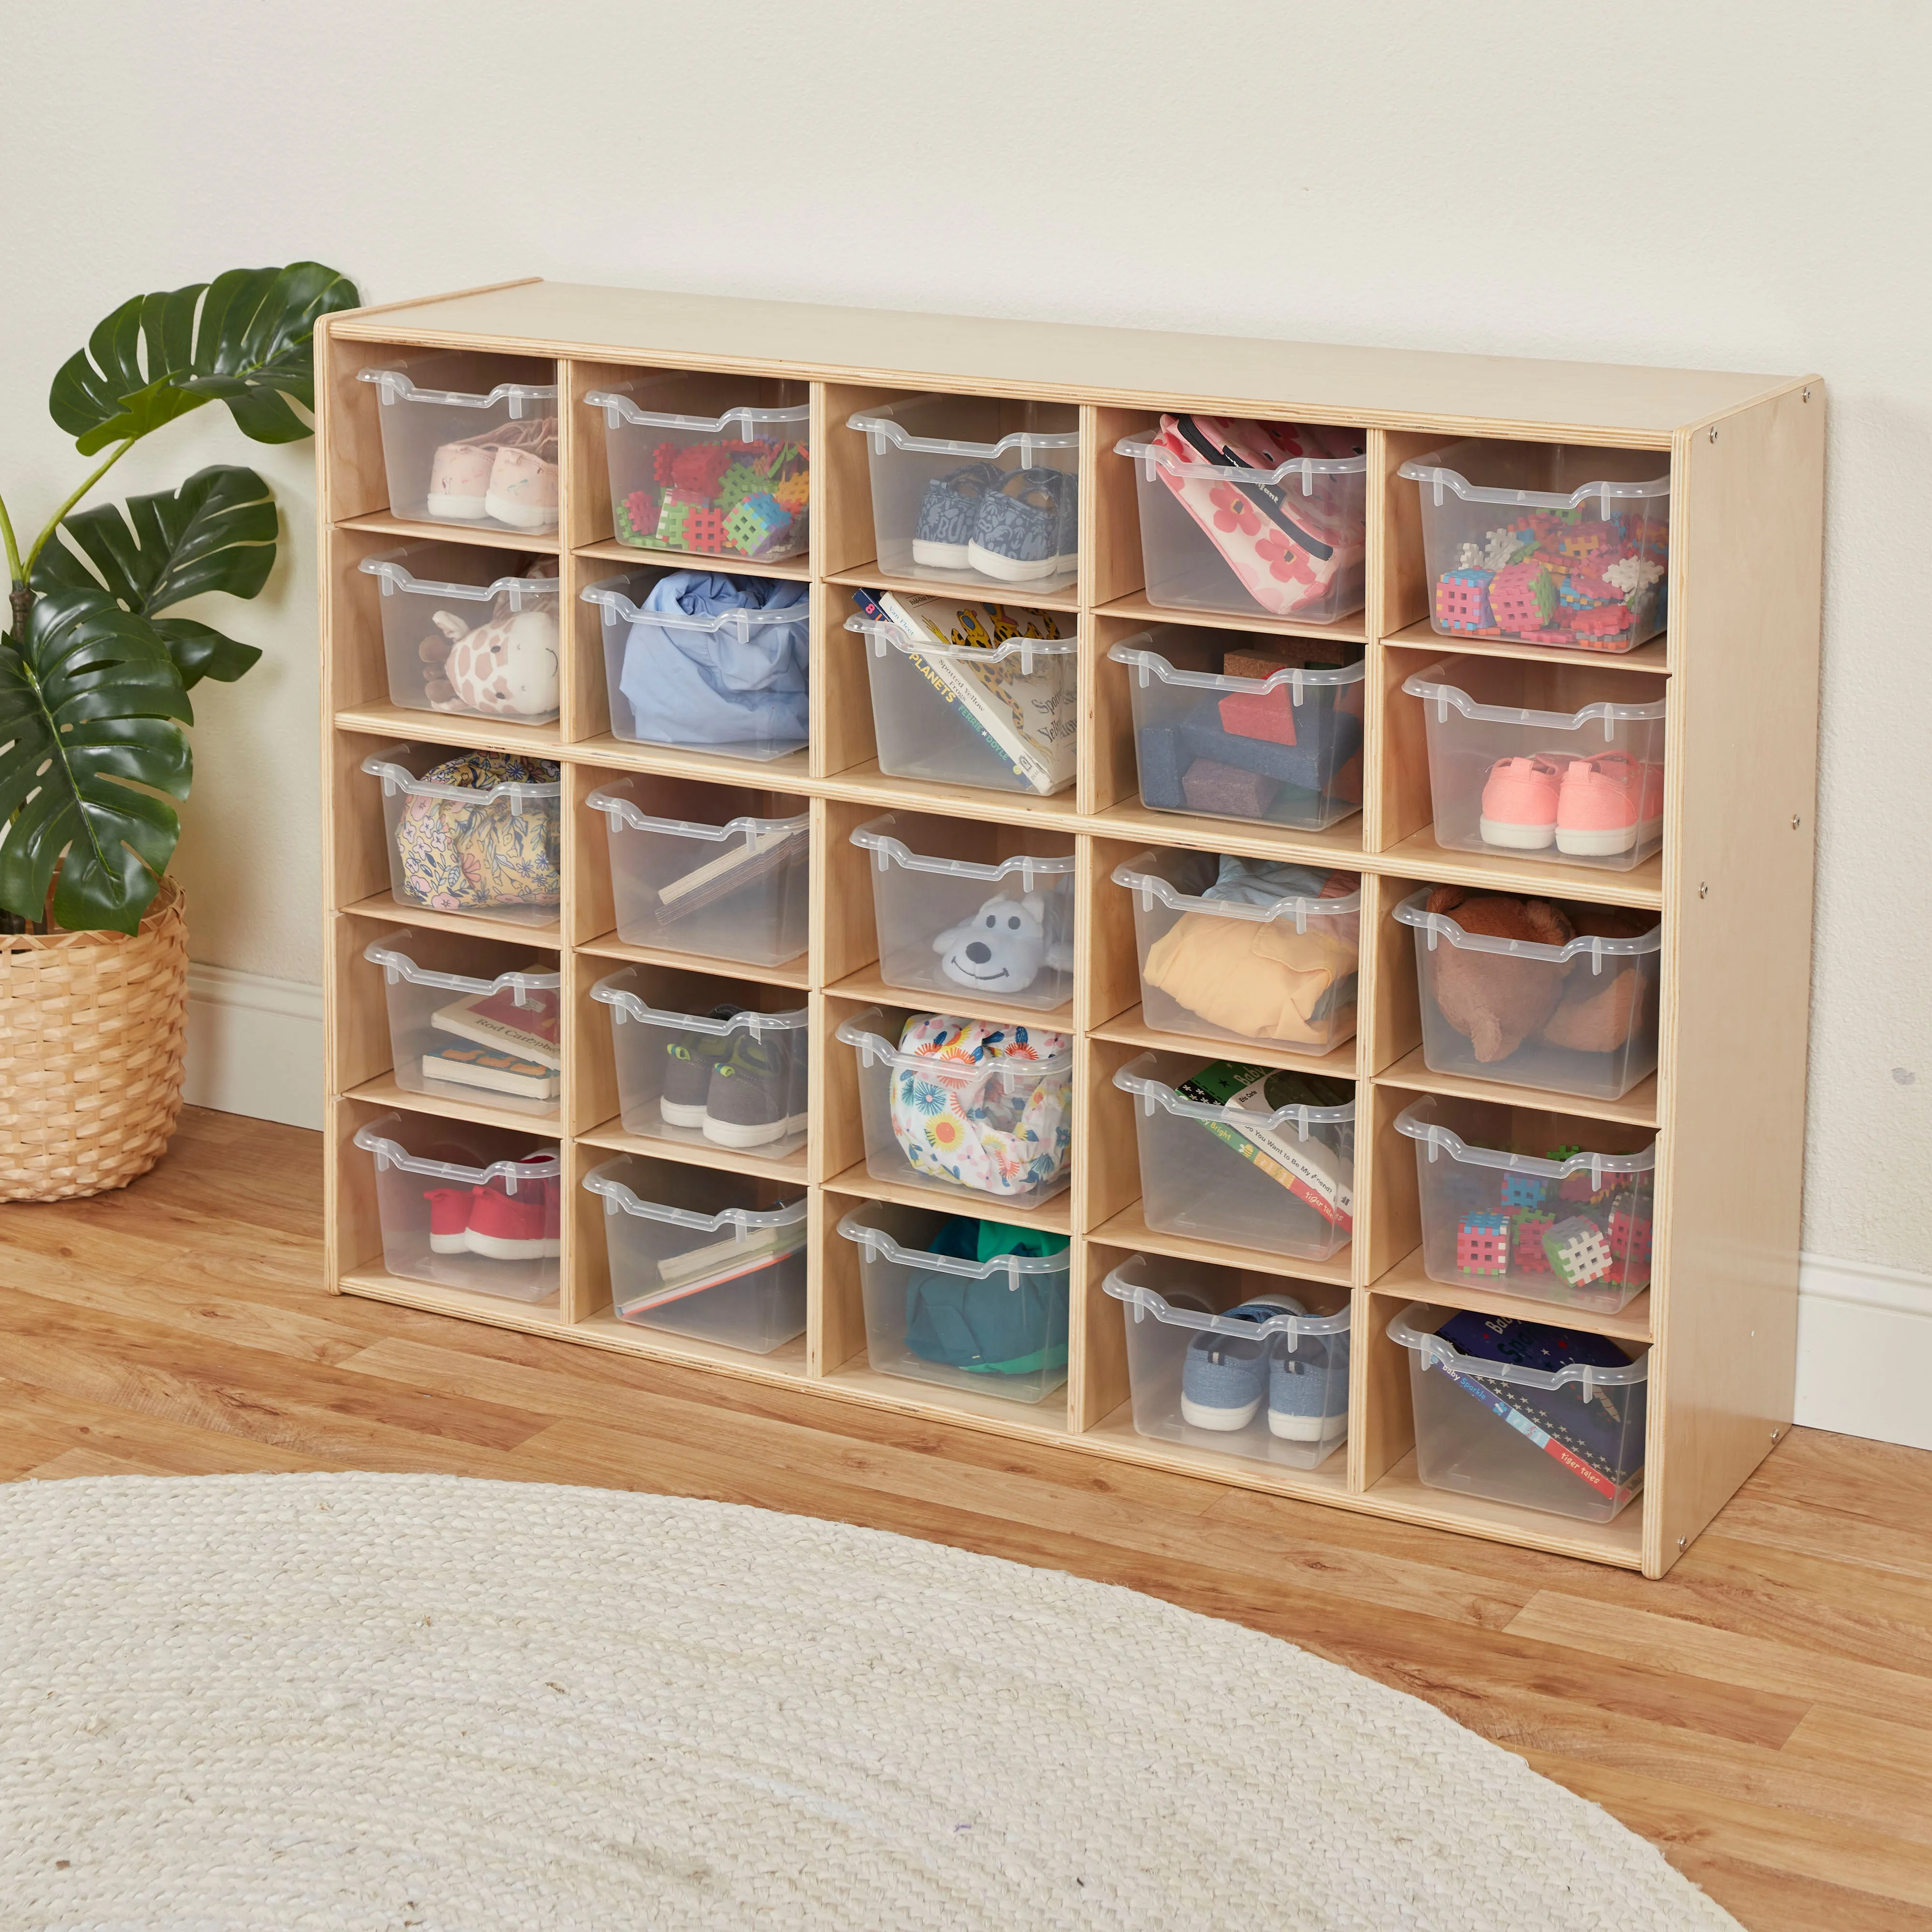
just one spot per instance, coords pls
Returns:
(94, 677)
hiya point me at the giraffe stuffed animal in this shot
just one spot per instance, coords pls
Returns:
(505, 668)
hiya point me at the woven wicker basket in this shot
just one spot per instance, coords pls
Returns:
(91, 1029)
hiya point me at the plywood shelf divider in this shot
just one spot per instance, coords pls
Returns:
(1737, 671)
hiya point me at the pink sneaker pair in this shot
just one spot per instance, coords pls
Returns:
(508, 474)
(1587, 808)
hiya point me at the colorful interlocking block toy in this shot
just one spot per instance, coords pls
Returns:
(1482, 1244)
(1630, 1229)
(1526, 1242)
(704, 530)
(1577, 1252)
(1462, 600)
(1523, 596)
(1524, 1190)
(756, 522)
(664, 463)
(636, 517)
(672, 514)
(739, 481)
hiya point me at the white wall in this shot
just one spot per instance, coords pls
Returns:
(1721, 186)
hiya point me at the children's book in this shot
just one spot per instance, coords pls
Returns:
(529, 1030)
(714, 1265)
(463, 1064)
(734, 868)
(1309, 1169)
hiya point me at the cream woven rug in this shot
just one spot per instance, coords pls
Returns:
(357, 1703)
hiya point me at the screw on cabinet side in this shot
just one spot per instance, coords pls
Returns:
(1713, 432)
(1703, 892)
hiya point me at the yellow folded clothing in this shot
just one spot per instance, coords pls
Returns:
(1260, 978)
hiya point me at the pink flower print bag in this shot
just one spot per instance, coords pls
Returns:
(1288, 539)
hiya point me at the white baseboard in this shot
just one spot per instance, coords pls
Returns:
(1864, 1351)
(254, 1046)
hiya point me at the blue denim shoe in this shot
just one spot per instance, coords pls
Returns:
(949, 513)
(1027, 529)
(1308, 1391)
(1226, 1377)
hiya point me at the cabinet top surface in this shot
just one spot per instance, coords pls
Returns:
(1389, 388)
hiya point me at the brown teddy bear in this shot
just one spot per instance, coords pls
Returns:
(1599, 1011)
(1497, 1001)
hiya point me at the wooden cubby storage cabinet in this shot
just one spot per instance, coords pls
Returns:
(1733, 882)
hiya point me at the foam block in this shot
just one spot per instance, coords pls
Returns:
(1327, 740)
(1260, 714)
(1159, 750)
(1226, 790)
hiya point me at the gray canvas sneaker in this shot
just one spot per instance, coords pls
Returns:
(947, 515)
(750, 1100)
(1026, 528)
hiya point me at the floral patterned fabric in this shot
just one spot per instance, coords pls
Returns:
(993, 1112)
(460, 857)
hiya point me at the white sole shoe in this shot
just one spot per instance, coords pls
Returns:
(1299, 1428)
(742, 1134)
(1606, 843)
(1197, 1415)
(939, 555)
(1009, 569)
(1518, 838)
(458, 509)
(450, 1244)
(494, 1248)
(520, 516)
(676, 1114)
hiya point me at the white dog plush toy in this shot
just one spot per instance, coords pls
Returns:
(1002, 946)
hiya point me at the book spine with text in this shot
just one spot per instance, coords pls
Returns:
(1599, 1480)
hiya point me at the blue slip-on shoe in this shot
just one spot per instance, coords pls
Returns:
(1026, 528)
(1308, 1390)
(949, 512)
(1224, 1378)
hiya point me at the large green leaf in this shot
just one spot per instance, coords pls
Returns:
(216, 532)
(244, 338)
(91, 708)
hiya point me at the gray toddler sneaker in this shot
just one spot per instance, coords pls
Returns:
(1027, 529)
(1224, 1379)
(948, 513)
(1308, 1391)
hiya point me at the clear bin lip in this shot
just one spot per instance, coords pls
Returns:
(1151, 458)
(603, 1179)
(1143, 1301)
(1426, 469)
(1411, 912)
(619, 810)
(626, 1005)
(884, 633)
(1415, 1122)
(1437, 1353)
(618, 608)
(873, 837)
(387, 953)
(1149, 664)
(1427, 684)
(395, 577)
(619, 407)
(392, 1153)
(1133, 1079)
(397, 776)
(396, 388)
(880, 426)
(1137, 875)
(878, 1243)
(875, 1049)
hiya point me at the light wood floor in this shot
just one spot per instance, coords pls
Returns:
(1764, 1714)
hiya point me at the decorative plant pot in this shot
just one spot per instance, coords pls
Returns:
(92, 1026)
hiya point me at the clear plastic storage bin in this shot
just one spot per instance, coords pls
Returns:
(664, 670)
(1568, 1440)
(982, 1111)
(470, 438)
(1000, 716)
(734, 886)
(465, 632)
(1575, 1015)
(1512, 1200)
(472, 832)
(465, 1206)
(1279, 746)
(1278, 973)
(1544, 544)
(721, 465)
(996, 1326)
(1270, 1387)
(954, 916)
(1286, 537)
(1582, 787)
(734, 1077)
(465, 1025)
(718, 1256)
(1218, 1162)
(974, 490)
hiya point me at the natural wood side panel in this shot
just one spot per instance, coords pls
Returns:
(1747, 520)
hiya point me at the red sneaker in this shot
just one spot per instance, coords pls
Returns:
(526, 1226)
(448, 1220)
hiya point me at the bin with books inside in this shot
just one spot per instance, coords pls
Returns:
(977, 1108)
(732, 1074)
(719, 870)
(1258, 950)
(980, 695)
(1237, 1362)
(975, 1305)
(1255, 1157)
(466, 1206)
(720, 1257)
(1268, 729)
(1546, 1418)
(1534, 1204)
(472, 1019)
(965, 905)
